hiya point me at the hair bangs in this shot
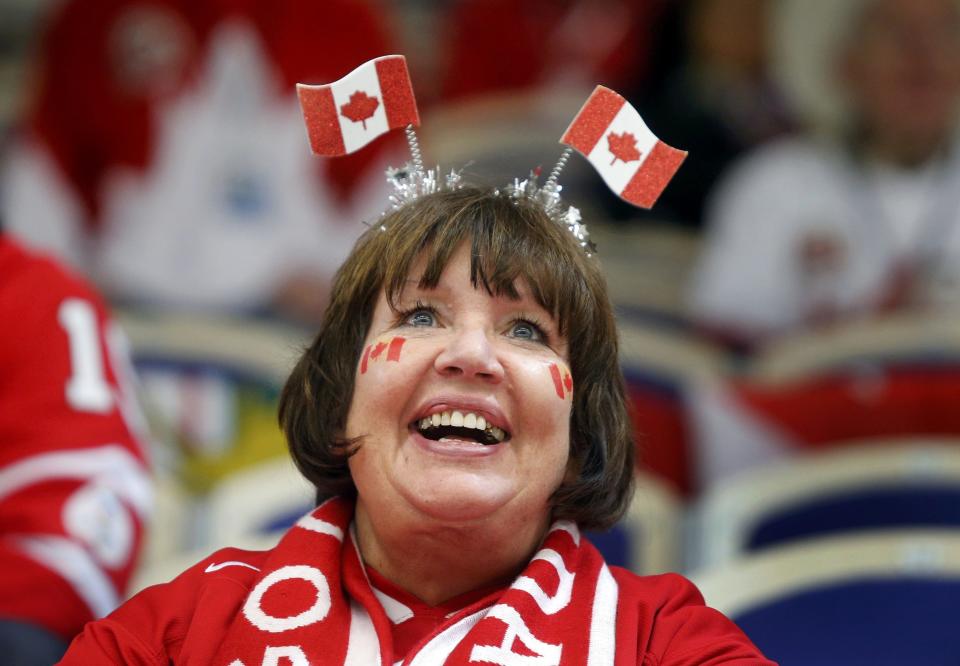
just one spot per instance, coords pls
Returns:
(510, 241)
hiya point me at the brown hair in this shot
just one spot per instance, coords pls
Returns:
(509, 239)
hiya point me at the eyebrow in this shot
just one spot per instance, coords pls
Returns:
(523, 294)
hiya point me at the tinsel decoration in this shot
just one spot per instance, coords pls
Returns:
(549, 197)
(412, 181)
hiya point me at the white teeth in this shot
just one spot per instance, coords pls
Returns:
(459, 419)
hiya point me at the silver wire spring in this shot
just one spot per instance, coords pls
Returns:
(415, 150)
(551, 183)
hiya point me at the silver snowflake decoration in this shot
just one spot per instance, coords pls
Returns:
(549, 197)
(410, 183)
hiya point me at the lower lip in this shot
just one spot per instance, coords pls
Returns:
(457, 449)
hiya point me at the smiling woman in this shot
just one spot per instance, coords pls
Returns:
(461, 413)
(491, 298)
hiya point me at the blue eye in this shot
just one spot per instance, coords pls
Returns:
(421, 317)
(525, 330)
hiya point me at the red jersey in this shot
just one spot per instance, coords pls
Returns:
(74, 486)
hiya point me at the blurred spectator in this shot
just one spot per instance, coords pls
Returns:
(74, 487)
(806, 231)
(718, 102)
(164, 152)
(498, 46)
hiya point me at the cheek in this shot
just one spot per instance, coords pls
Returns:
(381, 381)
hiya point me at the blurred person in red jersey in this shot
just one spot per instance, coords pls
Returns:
(813, 229)
(75, 490)
(163, 156)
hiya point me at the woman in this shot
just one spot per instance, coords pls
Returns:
(461, 413)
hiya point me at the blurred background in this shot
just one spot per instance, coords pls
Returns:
(788, 309)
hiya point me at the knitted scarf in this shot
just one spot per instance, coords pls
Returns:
(312, 605)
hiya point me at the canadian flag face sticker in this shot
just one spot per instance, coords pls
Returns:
(632, 161)
(562, 381)
(346, 115)
(381, 351)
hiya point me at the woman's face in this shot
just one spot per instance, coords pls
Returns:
(462, 403)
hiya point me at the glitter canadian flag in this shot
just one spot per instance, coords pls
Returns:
(344, 116)
(632, 161)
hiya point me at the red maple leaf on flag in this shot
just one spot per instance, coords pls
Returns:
(623, 147)
(360, 108)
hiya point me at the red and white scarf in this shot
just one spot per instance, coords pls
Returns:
(312, 605)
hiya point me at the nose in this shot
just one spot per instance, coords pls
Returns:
(469, 353)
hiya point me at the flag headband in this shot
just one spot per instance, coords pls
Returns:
(346, 115)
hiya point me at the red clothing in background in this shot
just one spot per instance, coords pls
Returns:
(74, 483)
(502, 46)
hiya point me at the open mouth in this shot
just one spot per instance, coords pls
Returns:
(464, 426)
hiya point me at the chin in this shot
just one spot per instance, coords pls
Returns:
(459, 498)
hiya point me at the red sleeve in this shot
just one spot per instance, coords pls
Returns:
(183, 621)
(74, 483)
(675, 628)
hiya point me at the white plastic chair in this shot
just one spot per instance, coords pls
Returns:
(879, 599)
(725, 518)
(249, 509)
(654, 522)
(257, 501)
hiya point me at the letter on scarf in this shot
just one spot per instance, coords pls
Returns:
(547, 654)
(561, 599)
(321, 606)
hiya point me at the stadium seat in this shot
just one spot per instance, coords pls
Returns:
(258, 501)
(248, 509)
(660, 365)
(167, 531)
(858, 487)
(902, 338)
(883, 599)
(880, 378)
(647, 540)
(210, 387)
